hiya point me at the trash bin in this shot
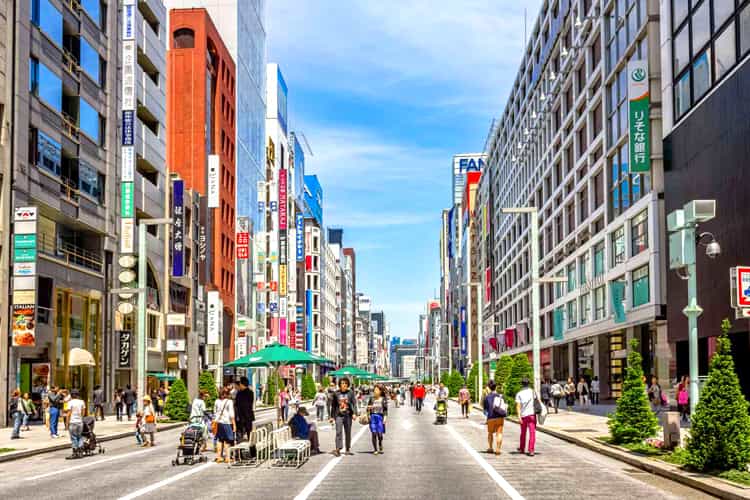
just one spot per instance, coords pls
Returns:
(671, 423)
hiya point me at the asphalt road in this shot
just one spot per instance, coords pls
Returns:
(421, 460)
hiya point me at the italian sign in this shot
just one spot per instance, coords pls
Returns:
(23, 324)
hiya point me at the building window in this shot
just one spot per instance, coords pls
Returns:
(45, 84)
(600, 298)
(639, 233)
(45, 152)
(184, 38)
(626, 188)
(90, 181)
(90, 61)
(90, 121)
(48, 19)
(572, 322)
(744, 27)
(640, 286)
(96, 11)
(618, 246)
(571, 277)
(599, 259)
(585, 308)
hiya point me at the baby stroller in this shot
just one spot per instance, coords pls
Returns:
(89, 445)
(192, 441)
(441, 412)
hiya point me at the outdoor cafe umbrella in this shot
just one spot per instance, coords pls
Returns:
(350, 371)
(80, 357)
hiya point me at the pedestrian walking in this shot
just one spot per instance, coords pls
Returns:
(245, 412)
(55, 405)
(320, 402)
(15, 413)
(545, 392)
(377, 409)
(656, 397)
(344, 410)
(583, 393)
(139, 428)
(419, 394)
(331, 395)
(98, 402)
(570, 394)
(595, 390)
(198, 415)
(129, 400)
(149, 420)
(224, 424)
(464, 398)
(75, 413)
(496, 410)
(118, 404)
(66, 400)
(525, 409)
(282, 403)
(411, 395)
(557, 394)
(27, 409)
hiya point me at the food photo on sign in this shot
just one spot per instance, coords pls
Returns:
(23, 325)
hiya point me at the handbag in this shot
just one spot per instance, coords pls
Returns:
(150, 418)
(364, 419)
(215, 422)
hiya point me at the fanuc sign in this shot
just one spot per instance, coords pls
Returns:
(463, 164)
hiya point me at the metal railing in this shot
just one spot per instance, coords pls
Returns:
(69, 127)
(69, 190)
(70, 254)
(71, 65)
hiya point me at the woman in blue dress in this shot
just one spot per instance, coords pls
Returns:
(377, 407)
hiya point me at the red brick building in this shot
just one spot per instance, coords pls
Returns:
(201, 122)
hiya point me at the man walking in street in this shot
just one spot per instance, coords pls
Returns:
(55, 402)
(129, 399)
(245, 415)
(331, 394)
(76, 412)
(98, 402)
(464, 398)
(419, 394)
(525, 409)
(344, 411)
(496, 410)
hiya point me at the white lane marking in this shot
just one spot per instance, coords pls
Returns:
(88, 464)
(500, 480)
(406, 425)
(156, 486)
(308, 490)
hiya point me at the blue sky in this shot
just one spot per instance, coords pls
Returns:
(386, 92)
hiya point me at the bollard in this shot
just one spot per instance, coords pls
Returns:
(671, 421)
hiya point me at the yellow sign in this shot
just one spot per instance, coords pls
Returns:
(282, 279)
(270, 152)
(24, 296)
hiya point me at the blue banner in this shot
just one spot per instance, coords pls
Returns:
(309, 322)
(300, 225)
(128, 127)
(178, 228)
(463, 330)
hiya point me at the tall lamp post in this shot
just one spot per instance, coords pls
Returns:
(682, 225)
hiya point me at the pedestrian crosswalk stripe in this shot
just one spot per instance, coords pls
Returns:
(89, 464)
(156, 486)
(500, 480)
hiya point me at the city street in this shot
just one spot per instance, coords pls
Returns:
(421, 460)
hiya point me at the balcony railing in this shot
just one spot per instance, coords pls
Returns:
(69, 127)
(69, 253)
(71, 65)
(74, 6)
(69, 190)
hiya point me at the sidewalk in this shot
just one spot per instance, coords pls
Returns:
(582, 429)
(37, 440)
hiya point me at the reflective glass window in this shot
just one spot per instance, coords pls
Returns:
(722, 10)
(702, 74)
(46, 85)
(48, 19)
(679, 11)
(89, 120)
(90, 60)
(93, 8)
(701, 26)
(681, 49)
(745, 30)
(48, 153)
(725, 51)
(88, 180)
(682, 94)
(640, 286)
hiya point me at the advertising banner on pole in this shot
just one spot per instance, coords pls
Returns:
(638, 113)
(123, 352)
(213, 181)
(300, 237)
(178, 228)
(213, 311)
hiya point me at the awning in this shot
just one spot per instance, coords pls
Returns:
(163, 377)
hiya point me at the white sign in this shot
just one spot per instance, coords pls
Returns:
(240, 347)
(24, 268)
(128, 75)
(463, 164)
(24, 282)
(176, 345)
(25, 227)
(282, 307)
(176, 319)
(25, 214)
(742, 274)
(213, 181)
(127, 174)
(212, 318)
(127, 235)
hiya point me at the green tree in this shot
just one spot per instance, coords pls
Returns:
(177, 401)
(455, 383)
(325, 382)
(520, 369)
(308, 387)
(720, 428)
(445, 378)
(207, 383)
(502, 373)
(472, 380)
(633, 421)
(273, 386)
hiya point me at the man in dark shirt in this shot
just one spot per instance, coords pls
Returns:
(129, 397)
(55, 400)
(244, 412)
(344, 410)
(98, 402)
(331, 395)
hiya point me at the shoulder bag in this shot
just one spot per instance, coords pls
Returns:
(215, 422)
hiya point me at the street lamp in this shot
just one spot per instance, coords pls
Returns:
(682, 225)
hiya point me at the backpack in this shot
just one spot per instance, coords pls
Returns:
(499, 407)
(683, 397)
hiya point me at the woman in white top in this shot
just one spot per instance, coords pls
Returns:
(226, 426)
(149, 420)
(595, 389)
(320, 402)
(197, 414)
(583, 393)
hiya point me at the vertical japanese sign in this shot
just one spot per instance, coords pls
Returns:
(213, 181)
(178, 228)
(123, 352)
(638, 111)
(300, 237)
(242, 240)
(23, 319)
(309, 320)
(128, 132)
(213, 312)
(282, 199)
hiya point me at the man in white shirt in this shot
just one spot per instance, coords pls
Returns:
(525, 409)
(76, 412)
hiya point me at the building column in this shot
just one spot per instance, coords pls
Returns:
(572, 353)
(601, 362)
(662, 355)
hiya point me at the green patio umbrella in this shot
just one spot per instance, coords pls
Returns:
(276, 355)
(163, 377)
(350, 371)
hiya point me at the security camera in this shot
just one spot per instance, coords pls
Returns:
(713, 250)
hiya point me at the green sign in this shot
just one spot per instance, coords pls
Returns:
(24, 241)
(558, 324)
(24, 255)
(128, 204)
(638, 111)
(617, 289)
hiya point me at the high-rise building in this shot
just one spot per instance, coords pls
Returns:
(330, 274)
(563, 145)
(201, 146)
(314, 253)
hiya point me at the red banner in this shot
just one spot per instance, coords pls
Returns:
(510, 337)
(282, 199)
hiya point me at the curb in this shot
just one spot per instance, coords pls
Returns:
(651, 466)
(17, 455)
